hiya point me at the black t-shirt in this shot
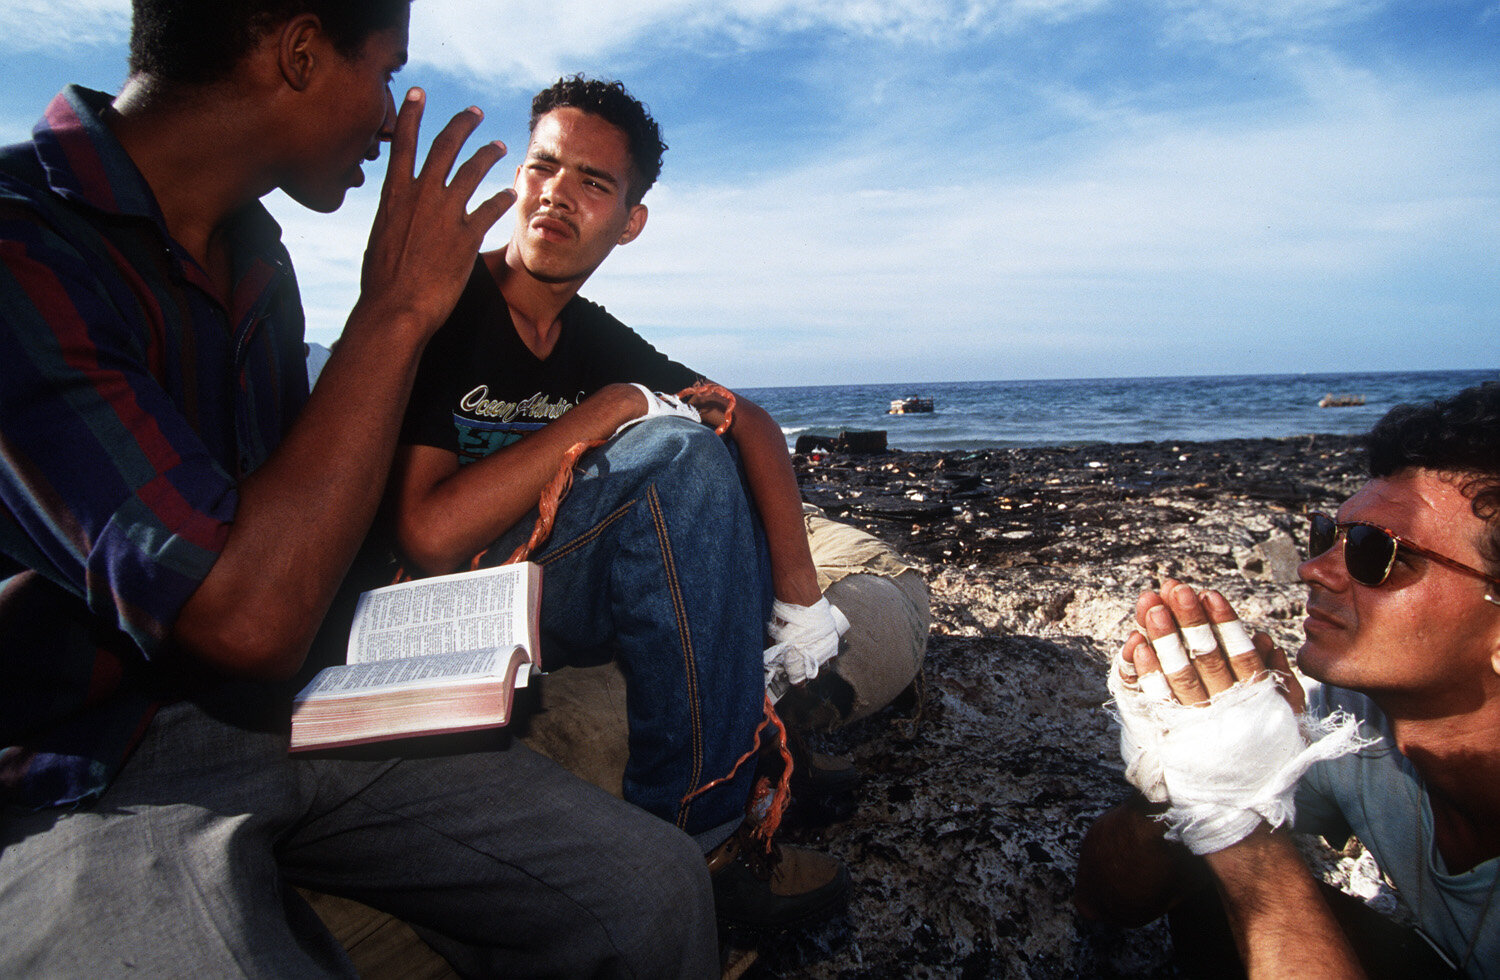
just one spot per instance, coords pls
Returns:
(480, 388)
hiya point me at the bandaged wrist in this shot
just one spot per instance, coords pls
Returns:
(658, 405)
(803, 637)
(1227, 765)
(789, 619)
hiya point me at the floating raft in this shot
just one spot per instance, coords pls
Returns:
(1340, 401)
(905, 406)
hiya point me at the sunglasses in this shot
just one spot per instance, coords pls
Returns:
(1370, 550)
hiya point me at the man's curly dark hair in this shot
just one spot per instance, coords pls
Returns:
(610, 102)
(197, 42)
(1459, 436)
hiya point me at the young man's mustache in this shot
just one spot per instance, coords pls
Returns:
(557, 216)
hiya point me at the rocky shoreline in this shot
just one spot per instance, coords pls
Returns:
(978, 788)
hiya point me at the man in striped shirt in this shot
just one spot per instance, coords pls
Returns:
(176, 515)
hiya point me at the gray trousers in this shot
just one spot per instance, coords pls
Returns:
(504, 862)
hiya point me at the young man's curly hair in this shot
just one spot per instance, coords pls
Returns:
(610, 102)
(1459, 436)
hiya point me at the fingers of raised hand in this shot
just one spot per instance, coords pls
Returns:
(1143, 605)
(1125, 663)
(430, 189)
(473, 170)
(1200, 639)
(1149, 678)
(1245, 660)
(1171, 654)
(448, 142)
(404, 141)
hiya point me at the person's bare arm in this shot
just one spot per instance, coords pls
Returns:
(773, 485)
(444, 513)
(1281, 923)
(303, 514)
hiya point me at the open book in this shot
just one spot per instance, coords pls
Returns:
(440, 654)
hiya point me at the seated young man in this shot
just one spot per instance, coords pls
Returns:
(1403, 629)
(176, 515)
(655, 557)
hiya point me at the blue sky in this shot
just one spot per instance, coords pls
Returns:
(931, 190)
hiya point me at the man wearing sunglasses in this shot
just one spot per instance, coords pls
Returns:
(1403, 629)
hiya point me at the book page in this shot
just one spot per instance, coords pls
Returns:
(481, 610)
(369, 678)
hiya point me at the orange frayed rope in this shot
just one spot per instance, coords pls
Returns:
(772, 801)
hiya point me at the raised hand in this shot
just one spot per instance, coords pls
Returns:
(1194, 647)
(424, 238)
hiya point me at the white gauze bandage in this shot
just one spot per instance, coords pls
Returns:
(1235, 638)
(1200, 640)
(1225, 766)
(1170, 653)
(804, 638)
(657, 405)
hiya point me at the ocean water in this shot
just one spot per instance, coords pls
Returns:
(995, 414)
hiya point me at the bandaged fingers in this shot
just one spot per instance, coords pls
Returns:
(1246, 659)
(1195, 647)
(1201, 637)
(1182, 644)
(1166, 655)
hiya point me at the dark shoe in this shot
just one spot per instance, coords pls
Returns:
(788, 886)
(824, 777)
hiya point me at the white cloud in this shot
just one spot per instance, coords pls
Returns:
(533, 41)
(54, 25)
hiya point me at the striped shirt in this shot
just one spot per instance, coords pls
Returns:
(133, 398)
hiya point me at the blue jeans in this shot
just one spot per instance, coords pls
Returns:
(656, 560)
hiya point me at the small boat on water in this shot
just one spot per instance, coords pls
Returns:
(1331, 400)
(906, 406)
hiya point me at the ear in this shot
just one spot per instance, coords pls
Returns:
(1492, 626)
(633, 224)
(297, 51)
(1495, 653)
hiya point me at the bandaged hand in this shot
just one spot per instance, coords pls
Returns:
(803, 638)
(657, 405)
(1212, 720)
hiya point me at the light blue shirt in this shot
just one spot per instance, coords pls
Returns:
(1377, 795)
